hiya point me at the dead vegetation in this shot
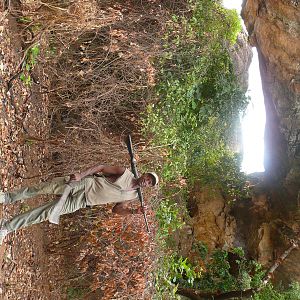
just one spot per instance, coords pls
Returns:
(96, 69)
(98, 59)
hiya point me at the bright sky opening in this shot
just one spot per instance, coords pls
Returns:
(253, 122)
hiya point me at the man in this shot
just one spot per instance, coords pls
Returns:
(98, 185)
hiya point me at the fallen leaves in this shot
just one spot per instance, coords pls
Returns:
(21, 273)
(122, 253)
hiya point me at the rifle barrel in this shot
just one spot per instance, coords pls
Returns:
(135, 173)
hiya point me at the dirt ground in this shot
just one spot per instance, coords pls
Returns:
(94, 254)
(26, 266)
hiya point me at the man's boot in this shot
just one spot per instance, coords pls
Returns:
(2, 197)
(3, 231)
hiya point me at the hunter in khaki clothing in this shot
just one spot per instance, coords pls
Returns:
(114, 184)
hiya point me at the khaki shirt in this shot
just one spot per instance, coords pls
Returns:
(98, 190)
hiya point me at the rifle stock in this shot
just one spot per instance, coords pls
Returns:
(135, 173)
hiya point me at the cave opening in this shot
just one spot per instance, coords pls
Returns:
(253, 121)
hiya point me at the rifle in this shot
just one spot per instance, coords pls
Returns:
(135, 173)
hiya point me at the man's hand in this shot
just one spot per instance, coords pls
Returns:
(75, 177)
(139, 210)
(124, 208)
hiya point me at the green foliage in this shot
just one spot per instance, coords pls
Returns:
(168, 218)
(172, 271)
(270, 292)
(76, 293)
(212, 21)
(181, 269)
(31, 25)
(200, 99)
(220, 167)
(199, 104)
(201, 249)
(29, 63)
(24, 20)
(171, 268)
(219, 274)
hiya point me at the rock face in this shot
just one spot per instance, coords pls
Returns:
(241, 56)
(212, 224)
(274, 29)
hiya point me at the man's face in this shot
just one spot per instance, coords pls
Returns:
(146, 180)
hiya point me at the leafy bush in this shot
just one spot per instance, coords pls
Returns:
(220, 277)
(172, 270)
(200, 99)
(217, 274)
(220, 167)
(212, 20)
(168, 217)
(270, 292)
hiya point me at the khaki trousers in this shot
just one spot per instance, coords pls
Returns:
(75, 201)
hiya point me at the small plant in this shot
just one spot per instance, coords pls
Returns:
(25, 20)
(32, 26)
(51, 51)
(29, 62)
(168, 218)
(24, 208)
(76, 293)
(172, 271)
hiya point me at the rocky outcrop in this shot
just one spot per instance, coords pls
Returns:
(241, 56)
(274, 29)
(212, 224)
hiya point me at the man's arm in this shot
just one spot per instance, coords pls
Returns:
(124, 209)
(106, 170)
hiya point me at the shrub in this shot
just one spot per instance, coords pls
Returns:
(200, 99)
(270, 292)
(219, 276)
(199, 104)
(168, 217)
(173, 270)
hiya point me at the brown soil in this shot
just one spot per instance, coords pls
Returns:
(25, 269)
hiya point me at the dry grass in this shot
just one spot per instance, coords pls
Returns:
(97, 59)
